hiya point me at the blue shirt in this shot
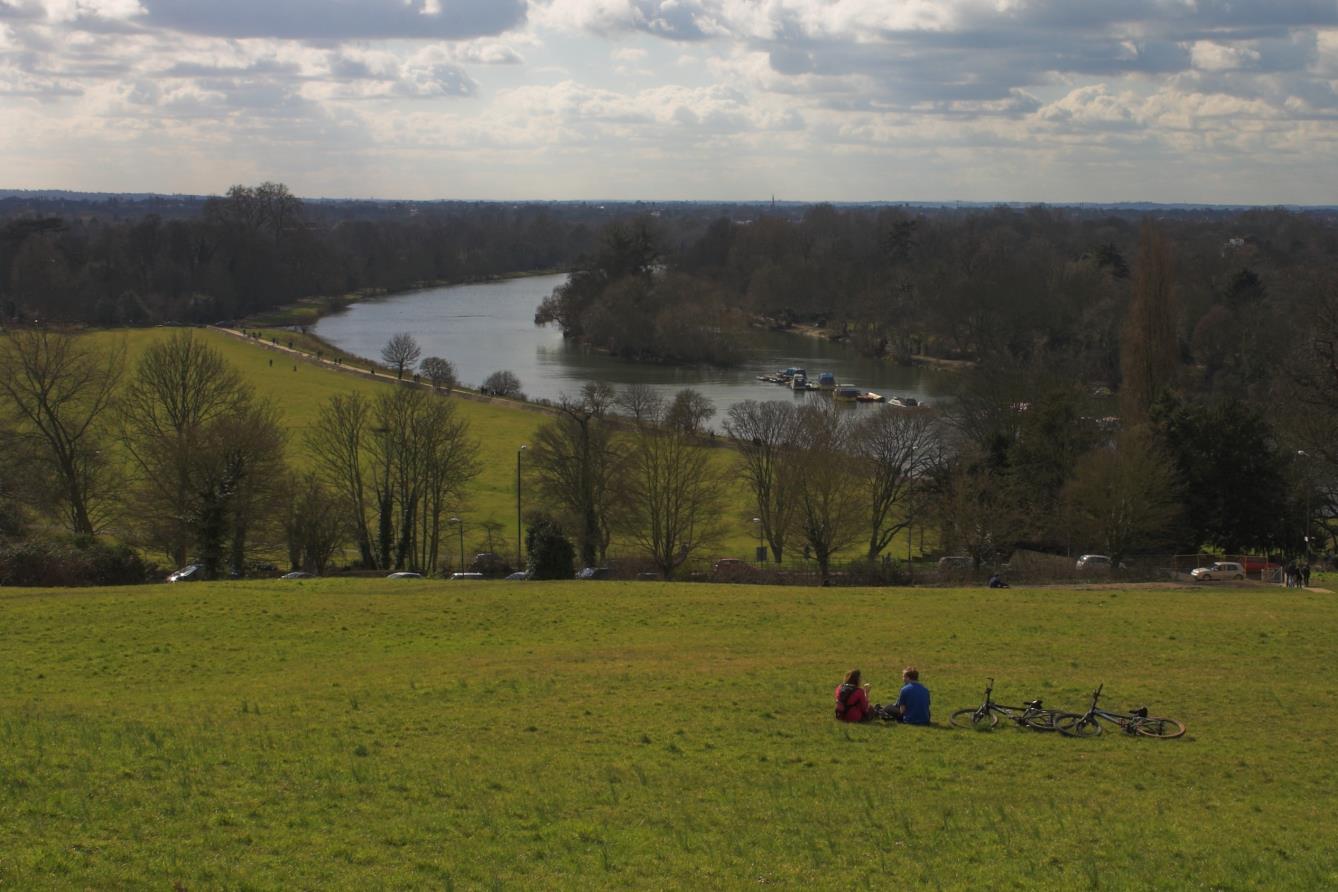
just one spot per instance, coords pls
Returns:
(915, 697)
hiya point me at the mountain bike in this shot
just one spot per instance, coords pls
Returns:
(987, 714)
(1136, 722)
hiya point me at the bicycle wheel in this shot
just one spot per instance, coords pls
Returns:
(1071, 724)
(1163, 729)
(974, 718)
(1043, 720)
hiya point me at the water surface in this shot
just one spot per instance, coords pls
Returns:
(486, 327)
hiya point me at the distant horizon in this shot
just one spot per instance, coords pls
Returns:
(89, 194)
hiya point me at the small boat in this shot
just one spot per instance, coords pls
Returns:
(799, 381)
(869, 397)
(904, 402)
(826, 381)
(846, 394)
(770, 379)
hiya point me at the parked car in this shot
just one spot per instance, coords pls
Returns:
(519, 576)
(405, 574)
(489, 564)
(468, 576)
(298, 574)
(732, 568)
(593, 573)
(1256, 564)
(1093, 562)
(188, 573)
(1218, 570)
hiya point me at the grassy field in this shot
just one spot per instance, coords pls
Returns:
(372, 734)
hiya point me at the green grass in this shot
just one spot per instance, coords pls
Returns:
(371, 734)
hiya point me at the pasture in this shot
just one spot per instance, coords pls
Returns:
(355, 734)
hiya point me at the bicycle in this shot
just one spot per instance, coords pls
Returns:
(1136, 722)
(987, 714)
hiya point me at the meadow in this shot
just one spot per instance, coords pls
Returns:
(354, 734)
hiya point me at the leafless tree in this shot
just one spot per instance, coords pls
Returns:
(574, 461)
(1124, 498)
(689, 411)
(896, 447)
(315, 524)
(338, 444)
(400, 462)
(401, 353)
(440, 373)
(640, 402)
(764, 436)
(671, 494)
(180, 394)
(503, 383)
(60, 389)
(977, 510)
(830, 503)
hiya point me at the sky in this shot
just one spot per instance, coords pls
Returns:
(1215, 101)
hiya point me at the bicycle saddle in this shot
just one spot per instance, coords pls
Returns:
(1036, 704)
(1141, 712)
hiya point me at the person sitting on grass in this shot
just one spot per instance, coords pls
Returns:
(912, 706)
(852, 699)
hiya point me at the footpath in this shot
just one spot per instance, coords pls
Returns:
(374, 375)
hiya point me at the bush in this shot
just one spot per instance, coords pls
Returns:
(552, 555)
(70, 563)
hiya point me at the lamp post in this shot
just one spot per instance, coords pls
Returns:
(1305, 529)
(460, 525)
(519, 535)
(761, 553)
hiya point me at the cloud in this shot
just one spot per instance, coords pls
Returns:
(334, 20)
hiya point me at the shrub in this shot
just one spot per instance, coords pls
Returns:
(70, 563)
(552, 555)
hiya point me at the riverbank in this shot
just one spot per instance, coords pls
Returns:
(810, 330)
(310, 310)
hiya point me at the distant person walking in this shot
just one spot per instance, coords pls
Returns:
(1305, 575)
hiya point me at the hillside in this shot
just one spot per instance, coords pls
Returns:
(353, 734)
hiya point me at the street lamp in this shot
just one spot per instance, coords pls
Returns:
(1305, 530)
(761, 551)
(519, 538)
(460, 524)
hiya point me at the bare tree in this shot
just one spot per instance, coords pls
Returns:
(671, 495)
(689, 411)
(640, 402)
(180, 391)
(503, 383)
(764, 435)
(574, 460)
(401, 352)
(399, 462)
(829, 510)
(440, 373)
(1125, 498)
(895, 447)
(60, 389)
(315, 525)
(338, 443)
(977, 510)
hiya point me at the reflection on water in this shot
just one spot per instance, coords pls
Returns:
(484, 328)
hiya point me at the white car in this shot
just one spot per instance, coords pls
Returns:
(405, 574)
(1218, 570)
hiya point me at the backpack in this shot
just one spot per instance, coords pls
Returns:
(843, 699)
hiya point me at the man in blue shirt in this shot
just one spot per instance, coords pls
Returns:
(912, 705)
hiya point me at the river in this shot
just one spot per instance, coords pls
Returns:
(486, 327)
